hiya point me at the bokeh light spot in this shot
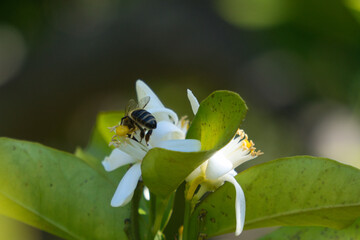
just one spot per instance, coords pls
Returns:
(254, 13)
(12, 52)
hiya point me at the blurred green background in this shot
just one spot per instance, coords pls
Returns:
(295, 62)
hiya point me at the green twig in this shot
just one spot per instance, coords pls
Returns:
(157, 210)
(187, 214)
(152, 214)
(134, 229)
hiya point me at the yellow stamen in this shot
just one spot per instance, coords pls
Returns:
(184, 123)
(248, 144)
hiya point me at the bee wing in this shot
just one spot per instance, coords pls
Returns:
(131, 106)
(144, 101)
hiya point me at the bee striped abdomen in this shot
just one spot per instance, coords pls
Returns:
(144, 118)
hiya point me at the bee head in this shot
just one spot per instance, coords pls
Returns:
(122, 130)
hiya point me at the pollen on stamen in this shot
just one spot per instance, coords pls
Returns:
(122, 130)
(240, 133)
(184, 122)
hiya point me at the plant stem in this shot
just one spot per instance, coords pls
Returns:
(160, 209)
(157, 210)
(187, 214)
(135, 231)
(152, 213)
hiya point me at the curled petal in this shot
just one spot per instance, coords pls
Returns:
(181, 145)
(194, 174)
(146, 193)
(117, 159)
(126, 188)
(218, 166)
(165, 131)
(239, 204)
(233, 173)
(143, 90)
(193, 101)
(164, 114)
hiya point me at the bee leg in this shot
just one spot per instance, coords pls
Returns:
(147, 137)
(142, 134)
(142, 131)
(133, 137)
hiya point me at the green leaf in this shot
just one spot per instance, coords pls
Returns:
(218, 118)
(101, 137)
(164, 170)
(11, 209)
(215, 123)
(58, 192)
(294, 191)
(318, 233)
(98, 147)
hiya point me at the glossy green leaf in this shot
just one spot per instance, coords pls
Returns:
(218, 118)
(215, 123)
(102, 133)
(57, 192)
(98, 147)
(319, 233)
(164, 170)
(294, 191)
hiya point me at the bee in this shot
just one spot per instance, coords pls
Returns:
(137, 118)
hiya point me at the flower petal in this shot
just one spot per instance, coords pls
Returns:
(143, 90)
(127, 185)
(146, 193)
(181, 145)
(165, 131)
(134, 149)
(239, 204)
(218, 166)
(194, 174)
(117, 159)
(164, 114)
(193, 101)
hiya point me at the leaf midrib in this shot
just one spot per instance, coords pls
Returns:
(298, 211)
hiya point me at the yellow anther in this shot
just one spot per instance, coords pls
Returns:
(248, 144)
(240, 133)
(184, 123)
(122, 130)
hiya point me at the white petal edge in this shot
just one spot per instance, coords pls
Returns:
(239, 204)
(117, 159)
(164, 114)
(127, 185)
(184, 145)
(146, 193)
(218, 166)
(144, 90)
(194, 174)
(193, 101)
(165, 131)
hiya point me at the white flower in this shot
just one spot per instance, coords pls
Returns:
(220, 168)
(169, 134)
(130, 152)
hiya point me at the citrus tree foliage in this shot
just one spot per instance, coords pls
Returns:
(69, 195)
